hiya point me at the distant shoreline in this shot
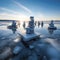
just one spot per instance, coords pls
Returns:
(45, 22)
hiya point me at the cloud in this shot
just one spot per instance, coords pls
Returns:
(8, 10)
(40, 16)
(23, 7)
(10, 16)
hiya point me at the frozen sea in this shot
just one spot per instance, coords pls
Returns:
(49, 42)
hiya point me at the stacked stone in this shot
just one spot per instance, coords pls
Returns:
(30, 29)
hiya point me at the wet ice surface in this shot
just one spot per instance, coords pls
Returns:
(46, 48)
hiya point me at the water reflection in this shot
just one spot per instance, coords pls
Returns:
(51, 31)
(42, 24)
(13, 30)
(38, 23)
(24, 24)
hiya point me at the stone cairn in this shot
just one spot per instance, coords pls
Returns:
(30, 29)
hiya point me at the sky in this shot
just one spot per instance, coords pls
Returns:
(23, 9)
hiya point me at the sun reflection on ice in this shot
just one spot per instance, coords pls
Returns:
(16, 40)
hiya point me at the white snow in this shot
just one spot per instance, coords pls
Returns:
(28, 37)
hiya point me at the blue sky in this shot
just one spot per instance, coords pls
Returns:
(22, 9)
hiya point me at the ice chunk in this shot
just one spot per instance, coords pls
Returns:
(17, 49)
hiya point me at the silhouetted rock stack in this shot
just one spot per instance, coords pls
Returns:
(13, 25)
(30, 29)
(51, 25)
(24, 24)
(30, 34)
